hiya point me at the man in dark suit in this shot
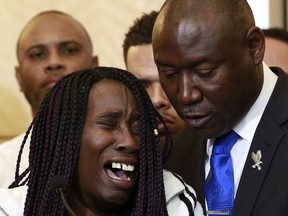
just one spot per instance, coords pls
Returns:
(209, 57)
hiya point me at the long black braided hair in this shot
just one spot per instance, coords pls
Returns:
(56, 133)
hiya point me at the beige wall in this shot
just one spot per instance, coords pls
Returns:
(276, 14)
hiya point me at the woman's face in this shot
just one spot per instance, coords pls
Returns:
(106, 174)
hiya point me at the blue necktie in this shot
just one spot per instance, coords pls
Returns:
(219, 185)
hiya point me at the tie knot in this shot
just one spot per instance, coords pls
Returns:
(224, 144)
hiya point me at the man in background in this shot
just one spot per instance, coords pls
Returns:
(276, 50)
(51, 45)
(138, 56)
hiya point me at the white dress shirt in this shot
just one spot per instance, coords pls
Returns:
(246, 129)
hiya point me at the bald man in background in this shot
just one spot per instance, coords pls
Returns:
(51, 45)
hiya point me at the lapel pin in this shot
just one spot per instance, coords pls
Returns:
(257, 159)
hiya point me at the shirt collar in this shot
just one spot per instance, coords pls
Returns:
(247, 126)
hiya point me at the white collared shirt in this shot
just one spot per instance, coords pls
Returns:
(246, 128)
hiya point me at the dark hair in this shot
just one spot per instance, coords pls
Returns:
(56, 133)
(140, 32)
(277, 33)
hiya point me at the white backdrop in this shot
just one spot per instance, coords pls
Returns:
(105, 20)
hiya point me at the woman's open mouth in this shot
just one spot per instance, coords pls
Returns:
(121, 171)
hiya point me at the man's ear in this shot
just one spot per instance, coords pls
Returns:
(256, 42)
(95, 62)
(18, 77)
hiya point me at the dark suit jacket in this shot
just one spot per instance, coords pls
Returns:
(180, 160)
(260, 192)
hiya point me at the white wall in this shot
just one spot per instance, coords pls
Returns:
(260, 10)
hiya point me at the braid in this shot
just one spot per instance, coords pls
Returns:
(17, 176)
(56, 134)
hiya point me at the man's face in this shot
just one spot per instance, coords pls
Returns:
(108, 161)
(140, 62)
(51, 47)
(207, 71)
(276, 53)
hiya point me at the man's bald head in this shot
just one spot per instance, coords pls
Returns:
(51, 14)
(238, 12)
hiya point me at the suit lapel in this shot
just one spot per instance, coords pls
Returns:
(267, 137)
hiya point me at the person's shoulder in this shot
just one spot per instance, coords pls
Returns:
(179, 186)
(8, 158)
(181, 198)
(12, 200)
